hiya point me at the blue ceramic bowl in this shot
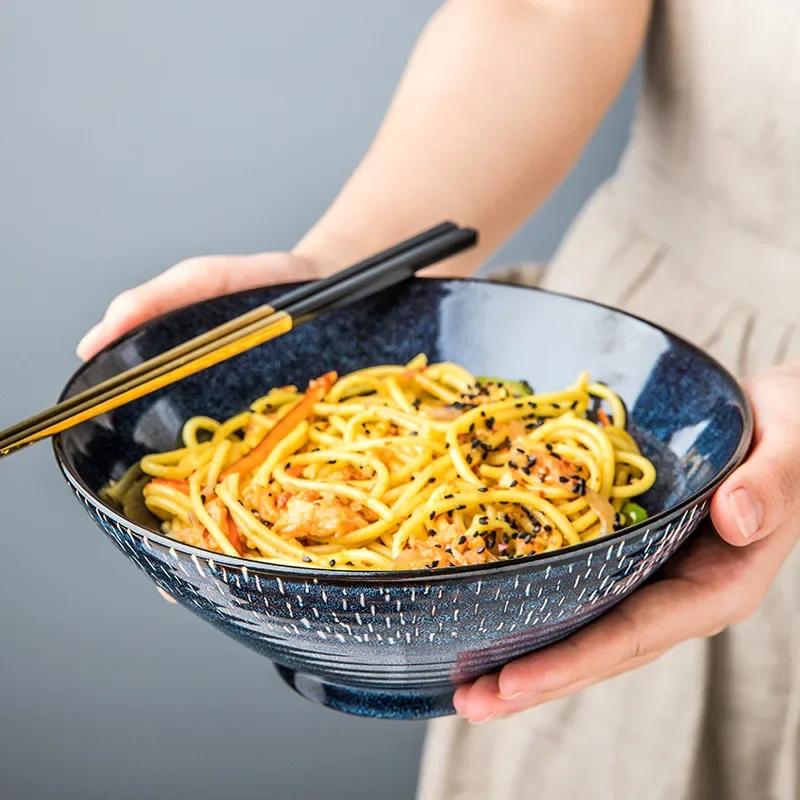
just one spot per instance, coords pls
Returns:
(396, 644)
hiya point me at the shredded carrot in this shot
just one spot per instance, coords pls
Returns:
(603, 417)
(317, 389)
(181, 486)
(234, 537)
(228, 527)
(219, 513)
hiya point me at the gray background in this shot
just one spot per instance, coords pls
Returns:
(134, 134)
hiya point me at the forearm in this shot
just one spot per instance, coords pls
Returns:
(498, 101)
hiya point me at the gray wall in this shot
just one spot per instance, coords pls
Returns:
(134, 134)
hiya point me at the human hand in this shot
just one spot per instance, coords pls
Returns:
(719, 580)
(194, 280)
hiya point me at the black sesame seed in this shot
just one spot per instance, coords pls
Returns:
(468, 458)
(433, 515)
(513, 465)
(431, 532)
(332, 562)
(431, 480)
(414, 433)
(471, 427)
(548, 528)
(462, 539)
(435, 564)
(549, 447)
(512, 484)
(480, 549)
(574, 404)
(490, 422)
(483, 489)
(484, 520)
(306, 559)
(526, 471)
(563, 479)
(460, 508)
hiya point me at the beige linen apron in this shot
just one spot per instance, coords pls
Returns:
(700, 232)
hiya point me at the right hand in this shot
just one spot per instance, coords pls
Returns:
(194, 280)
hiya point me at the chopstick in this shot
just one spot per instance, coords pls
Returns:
(379, 272)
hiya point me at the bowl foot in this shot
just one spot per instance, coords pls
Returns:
(368, 702)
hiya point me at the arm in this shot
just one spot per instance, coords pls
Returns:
(497, 103)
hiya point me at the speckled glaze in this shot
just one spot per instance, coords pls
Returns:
(396, 644)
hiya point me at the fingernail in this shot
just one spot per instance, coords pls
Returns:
(83, 344)
(482, 721)
(746, 511)
(512, 696)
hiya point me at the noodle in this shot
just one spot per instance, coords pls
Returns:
(399, 467)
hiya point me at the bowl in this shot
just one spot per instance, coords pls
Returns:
(396, 644)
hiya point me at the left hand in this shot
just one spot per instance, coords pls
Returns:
(719, 580)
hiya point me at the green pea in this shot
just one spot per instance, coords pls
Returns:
(634, 513)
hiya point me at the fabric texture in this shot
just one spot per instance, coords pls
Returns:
(699, 232)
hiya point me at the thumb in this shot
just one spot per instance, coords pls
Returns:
(190, 282)
(763, 495)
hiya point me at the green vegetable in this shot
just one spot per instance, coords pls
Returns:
(634, 513)
(520, 388)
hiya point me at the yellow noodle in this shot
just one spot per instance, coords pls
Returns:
(400, 466)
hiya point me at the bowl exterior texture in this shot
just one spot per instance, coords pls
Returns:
(396, 644)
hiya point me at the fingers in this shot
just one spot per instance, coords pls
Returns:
(650, 621)
(764, 493)
(483, 703)
(190, 282)
(168, 597)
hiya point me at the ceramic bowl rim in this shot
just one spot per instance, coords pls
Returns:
(392, 577)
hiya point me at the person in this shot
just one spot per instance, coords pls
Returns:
(691, 688)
